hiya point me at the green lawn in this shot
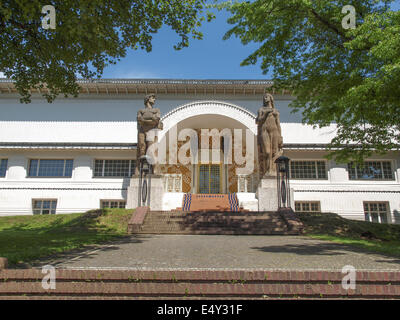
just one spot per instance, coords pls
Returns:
(375, 237)
(25, 238)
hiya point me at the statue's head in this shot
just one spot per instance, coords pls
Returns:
(150, 99)
(268, 100)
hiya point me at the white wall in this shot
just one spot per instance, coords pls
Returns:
(82, 192)
(79, 193)
(340, 195)
(100, 108)
(111, 119)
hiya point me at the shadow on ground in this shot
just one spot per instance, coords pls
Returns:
(87, 252)
(325, 248)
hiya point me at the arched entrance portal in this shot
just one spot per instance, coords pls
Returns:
(213, 169)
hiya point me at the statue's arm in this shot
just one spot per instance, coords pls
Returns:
(278, 123)
(158, 120)
(260, 116)
(145, 121)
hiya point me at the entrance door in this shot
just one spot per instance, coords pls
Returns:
(209, 178)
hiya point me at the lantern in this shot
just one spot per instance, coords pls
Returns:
(282, 169)
(145, 168)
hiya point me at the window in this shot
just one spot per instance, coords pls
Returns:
(112, 204)
(308, 170)
(172, 182)
(371, 170)
(209, 178)
(376, 211)
(307, 206)
(44, 206)
(114, 168)
(3, 167)
(50, 168)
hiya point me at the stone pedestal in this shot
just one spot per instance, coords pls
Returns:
(155, 193)
(267, 194)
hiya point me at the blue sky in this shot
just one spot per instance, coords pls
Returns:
(210, 58)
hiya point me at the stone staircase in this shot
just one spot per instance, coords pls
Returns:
(227, 223)
(197, 284)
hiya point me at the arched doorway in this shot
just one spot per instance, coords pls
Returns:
(209, 171)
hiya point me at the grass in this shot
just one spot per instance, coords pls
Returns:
(374, 237)
(26, 238)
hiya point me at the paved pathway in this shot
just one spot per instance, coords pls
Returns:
(236, 252)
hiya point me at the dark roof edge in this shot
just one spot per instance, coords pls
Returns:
(67, 144)
(170, 81)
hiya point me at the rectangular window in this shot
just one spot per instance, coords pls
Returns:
(44, 206)
(376, 211)
(3, 167)
(371, 170)
(114, 168)
(112, 204)
(50, 168)
(308, 170)
(307, 206)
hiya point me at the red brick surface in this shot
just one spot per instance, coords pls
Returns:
(253, 223)
(137, 219)
(207, 202)
(211, 283)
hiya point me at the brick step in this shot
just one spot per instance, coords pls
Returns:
(167, 222)
(263, 231)
(205, 227)
(210, 218)
(213, 230)
(159, 284)
(223, 226)
(218, 232)
(214, 222)
(249, 219)
(211, 214)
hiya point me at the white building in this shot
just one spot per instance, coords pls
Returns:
(77, 154)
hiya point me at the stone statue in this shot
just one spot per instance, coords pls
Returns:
(269, 137)
(147, 119)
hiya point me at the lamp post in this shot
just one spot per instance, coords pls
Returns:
(145, 168)
(282, 169)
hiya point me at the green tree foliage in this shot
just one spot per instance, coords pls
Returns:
(350, 77)
(88, 36)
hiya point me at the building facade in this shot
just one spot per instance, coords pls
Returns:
(78, 154)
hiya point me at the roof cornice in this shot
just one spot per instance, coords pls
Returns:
(162, 86)
(64, 145)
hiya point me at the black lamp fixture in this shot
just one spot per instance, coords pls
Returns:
(145, 168)
(282, 169)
